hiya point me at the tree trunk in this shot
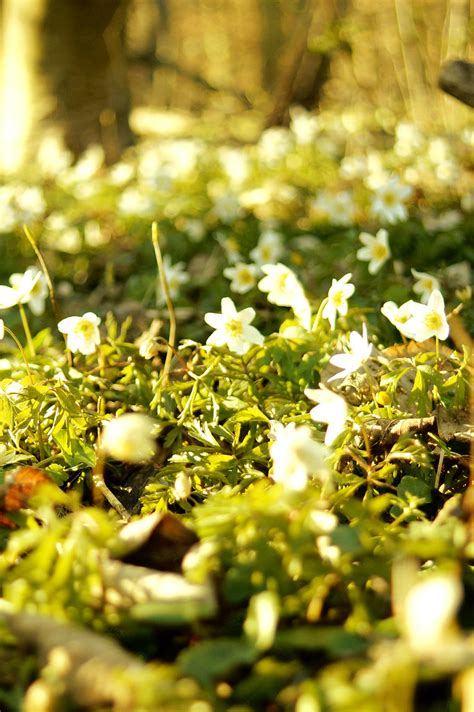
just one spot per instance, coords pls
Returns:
(64, 69)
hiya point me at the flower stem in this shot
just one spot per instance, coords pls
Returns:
(49, 281)
(26, 329)
(169, 304)
(22, 351)
(317, 318)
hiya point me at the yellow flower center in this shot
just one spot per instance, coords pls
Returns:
(389, 199)
(85, 328)
(433, 321)
(234, 328)
(338, 298)
(379, 252)
(282, 280)
(246, 276)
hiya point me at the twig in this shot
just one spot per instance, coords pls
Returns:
(44, 267)
(169, 303)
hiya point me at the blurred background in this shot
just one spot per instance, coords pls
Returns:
(109, 71)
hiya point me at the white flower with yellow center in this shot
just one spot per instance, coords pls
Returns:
(389, 201)
(130, 437)
(31, 287)
(331, 409)
(429, 320)
(376, 250)
(339, 292)
(285, 290)
(269, 248)
(400, 316)
(296, 456)
(82, 332)
(175, 277)
(232, 328)
(360, 351)
(243, 276)
(424, 285)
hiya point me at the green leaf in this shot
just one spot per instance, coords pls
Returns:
(215, 659)
(414, 487)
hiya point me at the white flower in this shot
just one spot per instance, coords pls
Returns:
(227, 208)
(129, 437)
(429, 610)
(175, 277)
(244, 277)
(429, 319)
(389, 201)
(376, 251)
(233, 328)
(296, 456)
(332, 409)
(339, 292)
(182, 486)
(337, 208)
(195, 229)
(360, 352)
(82, 332)
(32, 288)
(285, 290)
(281, 283)
(400, 316)
(305, 126)
(230, 245)
(269, 248)
(425, 285)
(2, 329)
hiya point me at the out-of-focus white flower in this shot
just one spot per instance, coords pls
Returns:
(339, 292)
(149, 347)
(409, 139)
(285, 290)
(305, 126)
(82, 332)
(360, 352)
(296, 456)
(227, 208)
(182, 486)
(175, 277)
(94, 235)
(195, 229)
(424, 285)
(399, 316)
(30, 203)
(323, 522)
(331, 409)
(269, 248)
(336, 208)
(31, 287)
(429, 610)
(244, 277)
(274, 145)
(389, 201)
(230, 245)
(429, 319)
(376, 250)
(129, 437)
(233, 328)
(134, 201)
(2, 329)
(235, 164)
(120, 174)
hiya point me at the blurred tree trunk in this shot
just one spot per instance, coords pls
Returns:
(308, 67)
(63, 69)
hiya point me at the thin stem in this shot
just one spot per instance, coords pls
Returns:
(101, 491)
(21, 350)
(169, 304)
(317, 318)
(26, 329)
(49, 281)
